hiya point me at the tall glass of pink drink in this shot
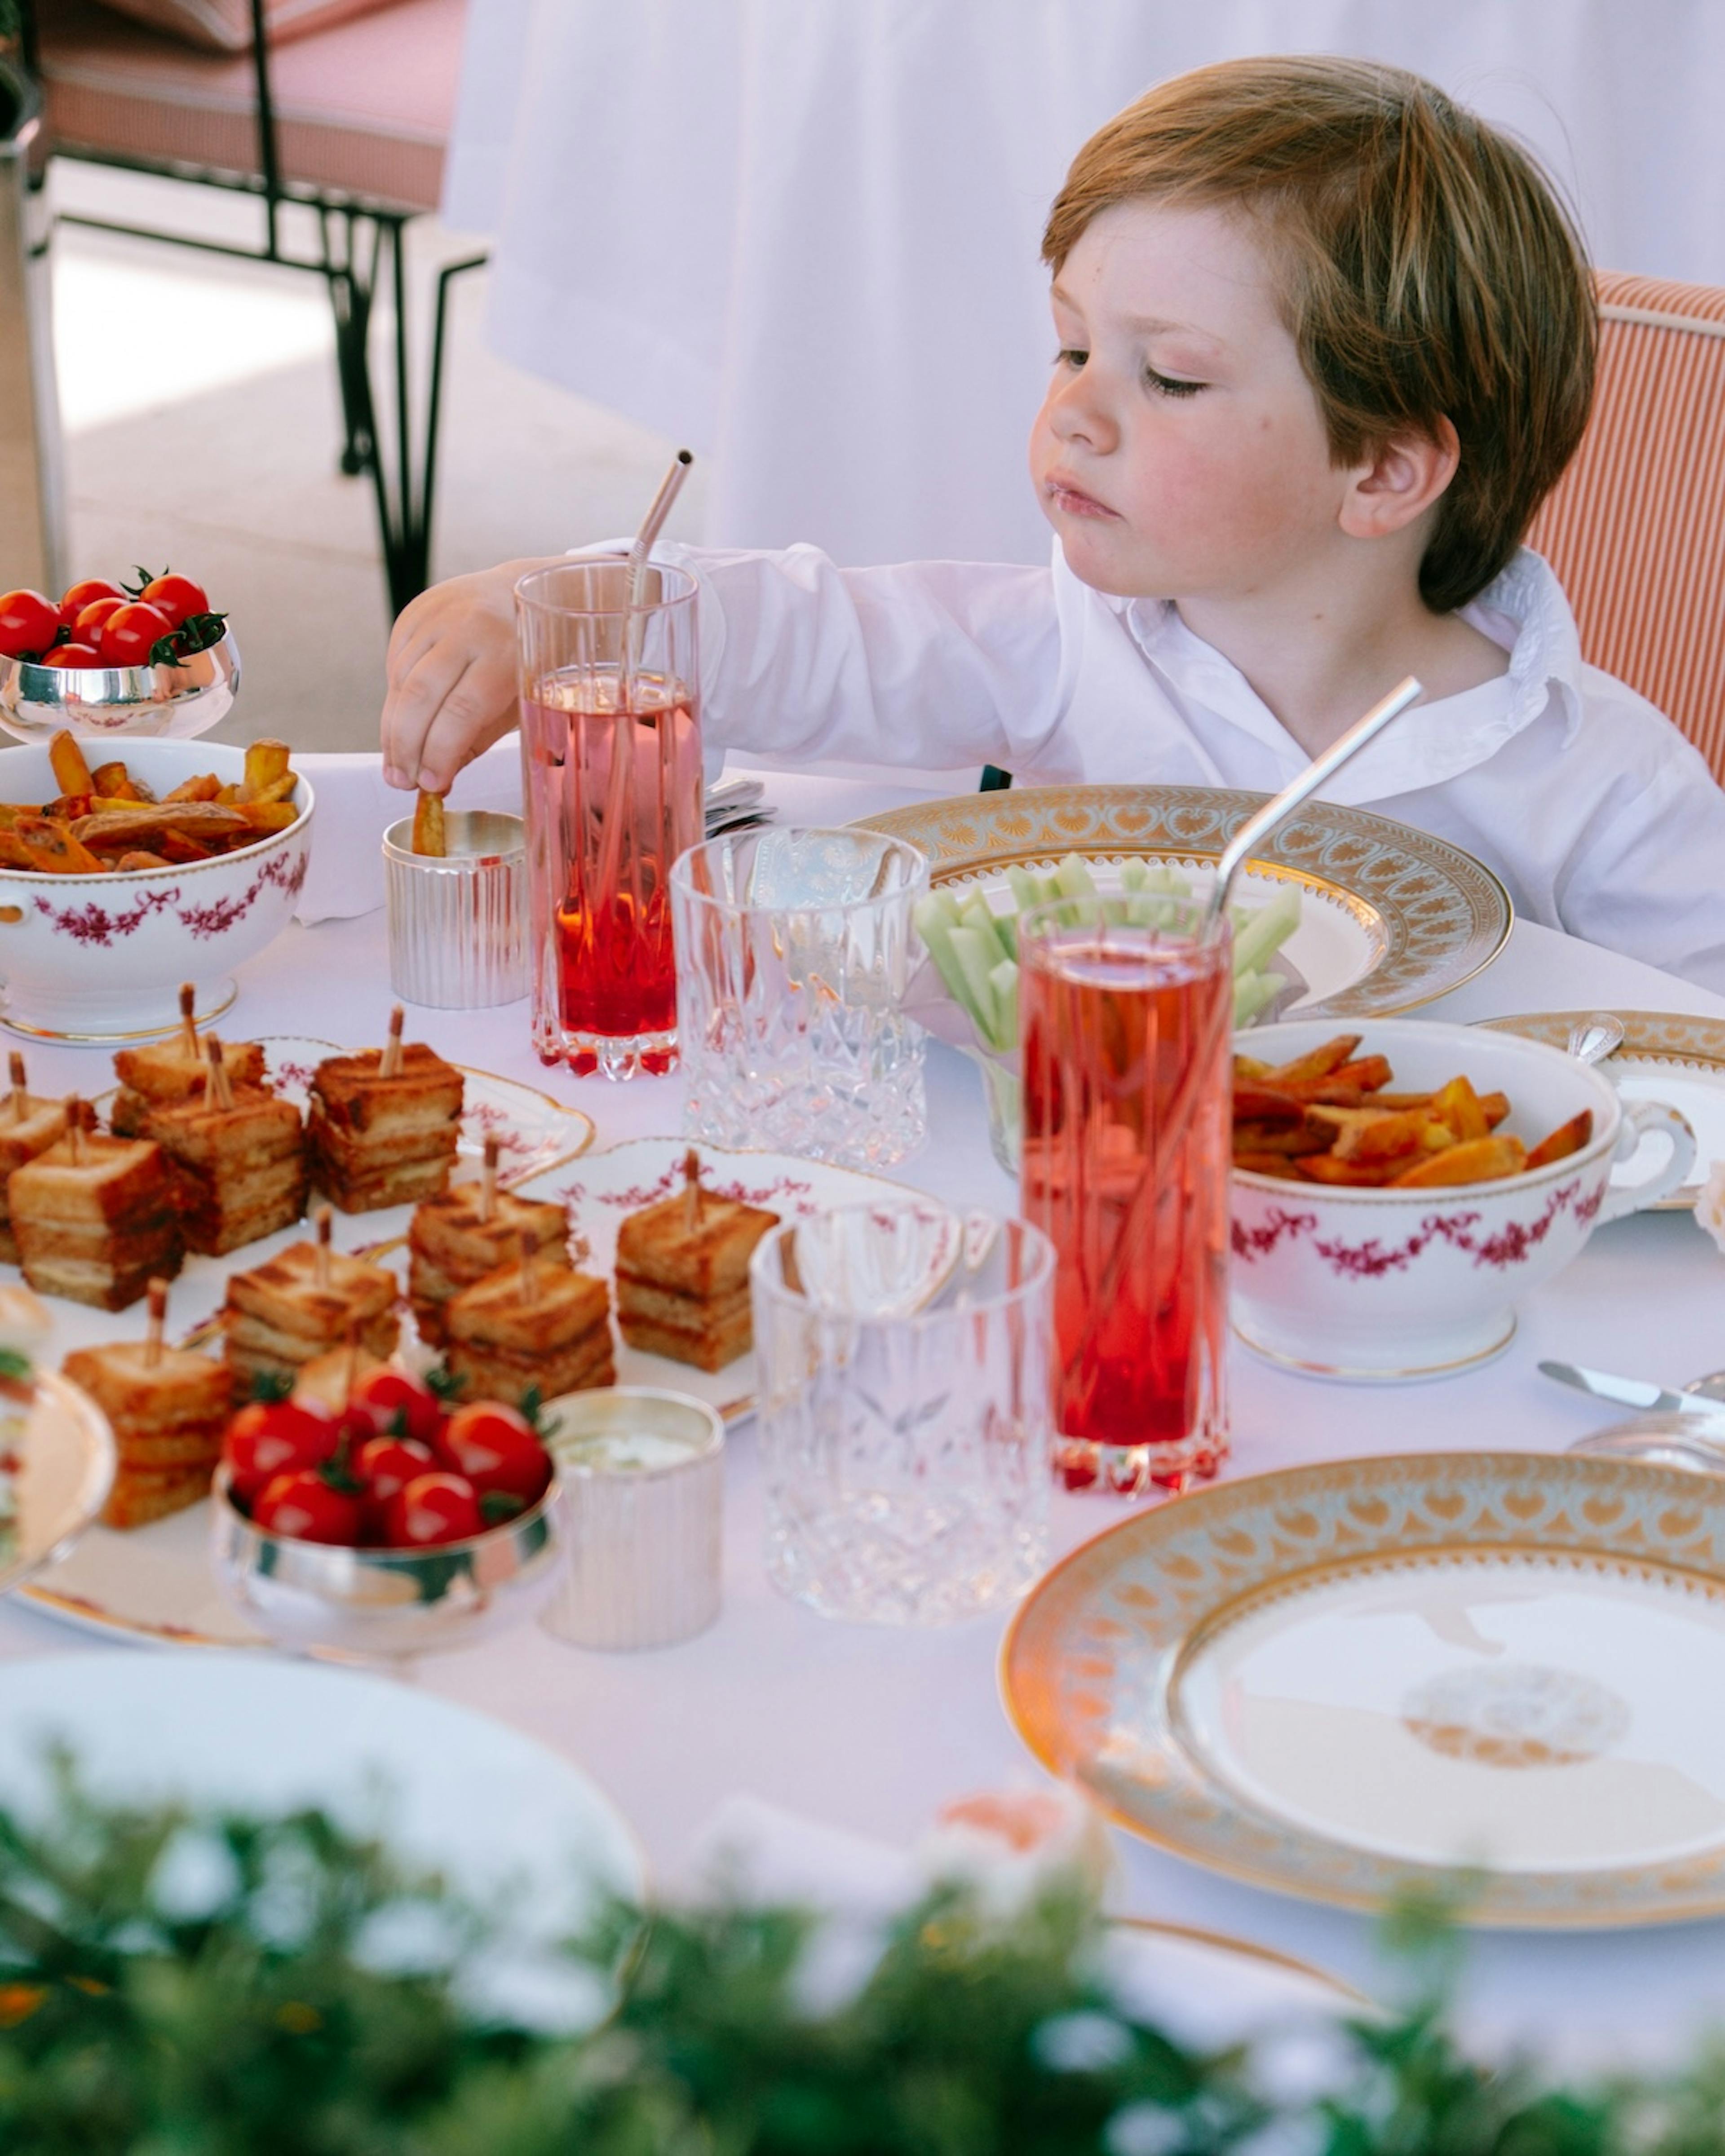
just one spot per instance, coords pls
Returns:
(612, 782)
(1126, 1023)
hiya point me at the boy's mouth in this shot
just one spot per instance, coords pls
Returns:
(1072, 500)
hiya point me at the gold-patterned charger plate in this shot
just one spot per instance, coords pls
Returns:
(1485, 1676)
(1663, 1057)
(1392, 916)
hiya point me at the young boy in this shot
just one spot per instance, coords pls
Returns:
(1325, 341)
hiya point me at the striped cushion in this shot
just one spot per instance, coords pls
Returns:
(363, 107)
(1635, 528)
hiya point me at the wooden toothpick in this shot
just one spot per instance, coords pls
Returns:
(75, 1129)
(488, 1179)
(20, 1091)
(221, 1086)
(390, 1066)
(158, 1319)
(529, 1269)
(692, 1192)
(188, 1028)
(323, 1221)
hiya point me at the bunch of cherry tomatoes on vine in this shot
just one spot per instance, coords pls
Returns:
(154, 621)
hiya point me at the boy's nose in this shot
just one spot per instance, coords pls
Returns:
(1079, 413)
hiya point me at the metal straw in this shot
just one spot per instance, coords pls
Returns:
(1255, 829)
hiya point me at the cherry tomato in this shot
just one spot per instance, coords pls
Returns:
(305, 1508)
(128, 635)
(495, 1449)
(385, 1394)
(81, 595)
(432, 1508)
(385, 1464)
(274, 1437)
(74, 655)
(28, 622)
(175, 596)
(88, 627)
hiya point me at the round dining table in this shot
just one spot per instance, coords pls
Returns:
(869, 1730)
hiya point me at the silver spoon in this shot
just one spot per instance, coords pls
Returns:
(1593, 1039)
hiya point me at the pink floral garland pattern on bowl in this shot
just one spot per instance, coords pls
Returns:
(94, 924)
(1511, 1246)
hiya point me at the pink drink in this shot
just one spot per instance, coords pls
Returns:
(605, 837)
(1127, 1092)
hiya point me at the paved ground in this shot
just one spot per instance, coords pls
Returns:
(202, 424)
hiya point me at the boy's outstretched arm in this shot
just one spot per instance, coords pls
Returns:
(451, 676)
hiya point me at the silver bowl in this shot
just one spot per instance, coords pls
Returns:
(172, 703)
(389, 1605)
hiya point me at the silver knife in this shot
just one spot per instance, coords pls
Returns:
(1632, 1392)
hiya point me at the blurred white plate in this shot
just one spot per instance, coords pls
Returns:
(1665, 1056)
(511, 1825)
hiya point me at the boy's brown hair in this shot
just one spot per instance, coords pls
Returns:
(1429, 271)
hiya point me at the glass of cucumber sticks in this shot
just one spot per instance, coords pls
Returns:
(971, 936)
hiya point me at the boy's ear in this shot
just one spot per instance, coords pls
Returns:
(1398, 481)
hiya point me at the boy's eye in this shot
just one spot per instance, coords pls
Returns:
(1069, 356)
(1166, 385)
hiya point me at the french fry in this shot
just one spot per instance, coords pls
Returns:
(1566, 1138)
(269, 815)
(430, 836)
(1268, 1164)
(205, 787)
(113, 782)
(1264, 1104)
(1412, 1133)
(1496, 1107)
(144, 826)
(1361, 1174)
(54, 848)
(265, 762)
(1246, 1068)
(1282, 1139)
(1474, 1160)
(181, 851)
(1459, 1106)
(278, 790)
(128, 861)
(1316, 1063)
(71, 773)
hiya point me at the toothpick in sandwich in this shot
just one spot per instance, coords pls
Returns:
(692, 1192)
(389, 1064)
(158, 1319)
(488, 1179)
(323, 1221)
(20, 1091)
(188, 1026)
(220, 1086)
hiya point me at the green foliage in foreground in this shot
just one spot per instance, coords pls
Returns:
(252, 2010)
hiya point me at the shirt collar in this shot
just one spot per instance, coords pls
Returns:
(1523, 609)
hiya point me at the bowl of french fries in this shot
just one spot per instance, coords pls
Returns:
(171, 702)
(1397, 1192)
(120, 877)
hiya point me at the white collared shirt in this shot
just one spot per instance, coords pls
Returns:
(1599, 817)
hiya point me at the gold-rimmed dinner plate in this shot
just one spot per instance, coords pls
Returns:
(1391, 917)
(1483, 1677)
(1663, 1057)
(154, 1582)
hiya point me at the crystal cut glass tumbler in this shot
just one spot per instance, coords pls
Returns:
(793, 948)
(906, 1457)
(611, 777)
(1126, 1011)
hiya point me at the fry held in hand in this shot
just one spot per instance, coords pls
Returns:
(1329, 1117)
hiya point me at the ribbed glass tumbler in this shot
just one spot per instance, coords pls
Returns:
(906, 1456)
(458, 920)
(793, 948)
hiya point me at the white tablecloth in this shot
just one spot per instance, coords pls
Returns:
(802, 235)
(869, 1730)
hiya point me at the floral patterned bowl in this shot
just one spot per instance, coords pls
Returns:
(101, 957)
(1389, 1284)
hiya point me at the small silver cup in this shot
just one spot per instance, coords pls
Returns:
(458, 920)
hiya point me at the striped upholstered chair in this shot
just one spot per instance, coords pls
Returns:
(1635, 528)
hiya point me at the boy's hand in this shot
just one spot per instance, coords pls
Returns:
(451, 677)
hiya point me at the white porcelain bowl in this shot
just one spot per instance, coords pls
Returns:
(101, 957)
(1389, 1284)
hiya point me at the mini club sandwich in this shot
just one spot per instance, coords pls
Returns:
(96, 1218)
(683, 1274)
(168, 1408)
(28, 1126)
(171, 1072)
(530, 1325)
(281, 1315)
(240, 1152)
(472, 1229)
(384, 1124)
